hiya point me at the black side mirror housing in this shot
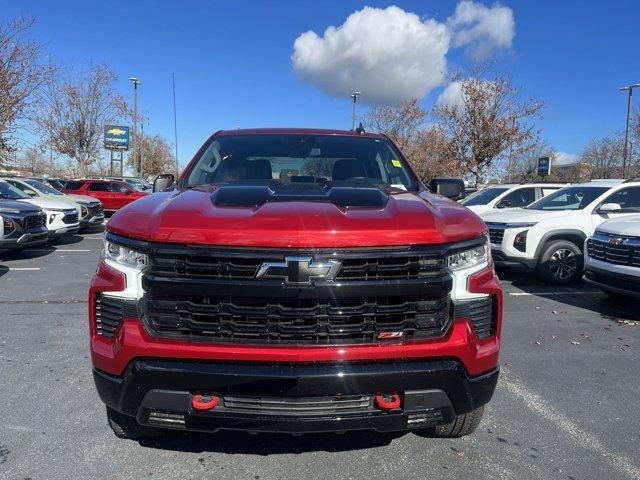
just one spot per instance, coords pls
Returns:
(504, 204)
(449, 187)
(163, 181)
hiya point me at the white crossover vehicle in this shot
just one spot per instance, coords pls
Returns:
(612, 257)
(89, 209)
(62, 219)
(508, 195)
(549, 234)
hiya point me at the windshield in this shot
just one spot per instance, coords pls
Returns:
(9, 192)
(483, 197)
(569, 198)
(42, 188)
(137, 184)
(302, 159)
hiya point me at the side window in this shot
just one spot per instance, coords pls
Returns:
(99, 187)
(520, 198)
(118, 188)
(628, 198)
(22, 187)
(74, 185)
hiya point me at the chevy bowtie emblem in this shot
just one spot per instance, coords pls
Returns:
(300, 270)
(616, 241)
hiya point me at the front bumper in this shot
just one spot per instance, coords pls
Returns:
(21, 240)
(613, 281)
(64, 231)
(158, 393)
(505, 260)
(91, 220)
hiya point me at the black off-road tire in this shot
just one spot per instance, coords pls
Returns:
(464, 424)
(560, 263)
(125, 426)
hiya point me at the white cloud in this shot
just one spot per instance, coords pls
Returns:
(480, 28)
(564, 158)
(450, 96)
(388, 54)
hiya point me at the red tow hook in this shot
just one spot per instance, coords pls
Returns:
(201, 401)
(387, 400)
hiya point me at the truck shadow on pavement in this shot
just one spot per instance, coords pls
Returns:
(233, 442)
(575, 295)
(3, 270)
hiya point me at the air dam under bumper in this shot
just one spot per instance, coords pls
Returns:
(159, 392)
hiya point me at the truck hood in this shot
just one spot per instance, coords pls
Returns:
(197, 217)
(523, 215)
(628, 226)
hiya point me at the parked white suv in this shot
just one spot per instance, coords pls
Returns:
(62, 219)
(612, 257)
(549, 234)
(508, 195)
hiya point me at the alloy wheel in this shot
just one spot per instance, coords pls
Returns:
(563, 264)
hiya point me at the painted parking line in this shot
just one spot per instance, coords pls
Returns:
(24, 269)
(46, 250)
(544, 294)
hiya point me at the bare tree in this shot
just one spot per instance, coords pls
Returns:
(487, 122)
(523, 165)
(72, 113)
(425, 146)
(156, 153)
(604, 155)
(34, 159)
(21, 74)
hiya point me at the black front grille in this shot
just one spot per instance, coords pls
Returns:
(482, 313)
(96, 209)
(33, 221)
(300, 321)
(196, 262)
(624, 250)
(299, 406)
(110, 311)
(496, 234)
(70, 217)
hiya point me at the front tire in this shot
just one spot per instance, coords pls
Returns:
(464, 424)
(560, 263)
(124, 426)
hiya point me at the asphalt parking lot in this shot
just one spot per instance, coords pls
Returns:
(566, 404)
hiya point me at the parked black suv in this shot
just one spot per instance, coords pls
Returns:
(21, 225)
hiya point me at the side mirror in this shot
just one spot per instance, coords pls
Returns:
(128, 192)
(162, 182)
(452, 188)
(610, 208)
(31, 193)
(504, 204)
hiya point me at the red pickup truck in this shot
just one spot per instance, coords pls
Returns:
(295, 281)
(112, 193)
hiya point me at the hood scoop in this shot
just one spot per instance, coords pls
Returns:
(253, 194)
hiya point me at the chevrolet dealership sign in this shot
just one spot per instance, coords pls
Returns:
(116, 137)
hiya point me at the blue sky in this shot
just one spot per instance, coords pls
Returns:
(233, 67)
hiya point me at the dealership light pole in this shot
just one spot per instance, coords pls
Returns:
(137, 165)
(354, 96)
(629, 89)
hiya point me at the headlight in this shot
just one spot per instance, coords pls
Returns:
(124, 256)
(469, 258)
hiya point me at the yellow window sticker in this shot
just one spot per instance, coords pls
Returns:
(396, 163)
